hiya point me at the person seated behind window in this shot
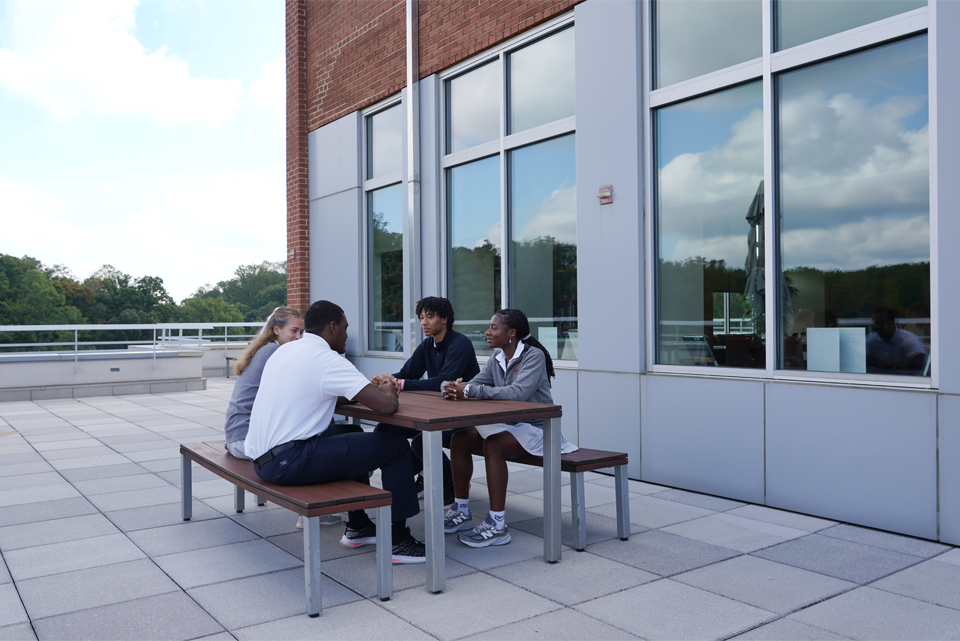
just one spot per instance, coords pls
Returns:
(519, 370)
(892, 350)
(445, 355)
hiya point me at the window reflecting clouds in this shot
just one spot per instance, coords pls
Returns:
(386, 268)
(854, 209)
(473, 108)
(801, 21)
(385, 142)
(543, 208)
(473, 206)
(709, 219)
(542, 82)
(694, 37)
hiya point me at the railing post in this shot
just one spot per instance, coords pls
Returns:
(154, 348)
(76, 350)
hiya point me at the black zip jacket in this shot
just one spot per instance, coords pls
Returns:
(452, 359)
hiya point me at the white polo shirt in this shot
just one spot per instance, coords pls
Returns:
(298, 393)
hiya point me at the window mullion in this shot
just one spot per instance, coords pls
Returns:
(505, 254)
(770, 241)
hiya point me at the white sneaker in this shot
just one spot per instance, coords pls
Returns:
(325, 519)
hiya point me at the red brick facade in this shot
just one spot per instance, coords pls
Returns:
(345, 55)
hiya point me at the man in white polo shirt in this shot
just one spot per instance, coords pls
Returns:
(290, 441)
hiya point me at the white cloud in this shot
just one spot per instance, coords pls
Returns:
(860, 244)
(555, 216)
(199, 231)
(72, 57)
(270, 89)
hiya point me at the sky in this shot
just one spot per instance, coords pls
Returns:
(146, 135)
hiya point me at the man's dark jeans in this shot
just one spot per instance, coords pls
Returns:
(416, 443)
(352, 455)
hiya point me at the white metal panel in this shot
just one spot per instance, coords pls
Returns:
(866, 456)
(610, 414)
(564, 392)
(949, 453)
(333, 156)
(703, 435)
(609, 255)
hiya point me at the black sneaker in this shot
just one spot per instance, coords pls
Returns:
(409, 550)
(419, 486)
(367, 535)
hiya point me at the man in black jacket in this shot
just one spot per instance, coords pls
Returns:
(445, 355)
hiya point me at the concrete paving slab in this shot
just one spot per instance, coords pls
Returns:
(355, 621)
(89, 461)
(782, 517)
(14, 447)
(162, 465)
(522, 547)
(17, 469)
(225, 563)
(18, 632)
(30, 480)
(140, 518)
(25, 535)
(211, 488)
(45, 511)
(62, 445)
(166, 617)
(472, 604)
(112, 485)
(953, 557)
(330, 547)
(787, 630)
(867, 613)
(706, 501)
(86, 452)
(171, 450)
(358, 572)
(837, 558)
(578, 577)
(93, 587)
(267, 522)
(886, 540)
(136, 498)
(652, 512)
(4, 574)
(104, 472)
(142, 436)
(771, 586)
(157, 443)
(276, 595)
(599, 528)
(11, 609)
(931, 581)
(17, 459)
(666, 609)
(595, 496)
(42, 560)
(662, 553)
(184, 537)
(734, 532)
(557, 625)
(199, 475)
(31, 495)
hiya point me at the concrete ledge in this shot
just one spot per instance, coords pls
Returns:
(118, 389)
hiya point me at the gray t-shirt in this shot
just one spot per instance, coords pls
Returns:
(244, 393)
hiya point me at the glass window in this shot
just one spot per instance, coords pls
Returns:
(385, 207)
(542, 82)
(801, 21)
(385, 142)
(543, 229)
(854, 207)
(473, 108)
(709, 223)
(473, 206)
(694, 37)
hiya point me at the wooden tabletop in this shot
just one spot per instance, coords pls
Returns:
(429, 412)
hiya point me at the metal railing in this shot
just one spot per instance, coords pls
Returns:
(165, 336)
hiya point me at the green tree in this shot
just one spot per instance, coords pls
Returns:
(208, 310)
(255, 290)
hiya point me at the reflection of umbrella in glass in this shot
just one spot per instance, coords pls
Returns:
(755, 290)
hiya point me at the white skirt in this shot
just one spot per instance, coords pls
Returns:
(529, 436)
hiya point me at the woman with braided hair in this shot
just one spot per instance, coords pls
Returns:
(519, 370)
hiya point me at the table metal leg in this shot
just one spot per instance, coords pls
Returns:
(384, 553)
(623, 503)
(186, 487)
(551, 489)
(238, 499)
(433, 506)
(579, 505)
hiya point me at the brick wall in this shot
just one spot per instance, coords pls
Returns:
(298, 206)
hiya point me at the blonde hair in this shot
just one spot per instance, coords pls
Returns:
(279, 318)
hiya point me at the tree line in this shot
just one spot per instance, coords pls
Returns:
(32, 293)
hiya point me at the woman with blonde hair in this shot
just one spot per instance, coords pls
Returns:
(285, 324)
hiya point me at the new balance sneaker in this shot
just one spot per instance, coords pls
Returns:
(485, 534)
(454, 521)
(367, 535)
(325, 519)
(409, 550)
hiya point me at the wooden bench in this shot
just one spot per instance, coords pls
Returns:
(587, 460)
(309, 501)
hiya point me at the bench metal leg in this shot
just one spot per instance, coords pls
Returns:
(551, 490)
(579, 504)
(261, 501)
(186, 487)
(384, 553)
(433, 511)
(311, 564)
(623, 503)
(238, 499)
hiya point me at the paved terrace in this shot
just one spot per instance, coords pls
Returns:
(94, 548)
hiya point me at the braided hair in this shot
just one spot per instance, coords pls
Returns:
(517, 320)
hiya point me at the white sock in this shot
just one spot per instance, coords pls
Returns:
(463, 505)
(499, 518)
